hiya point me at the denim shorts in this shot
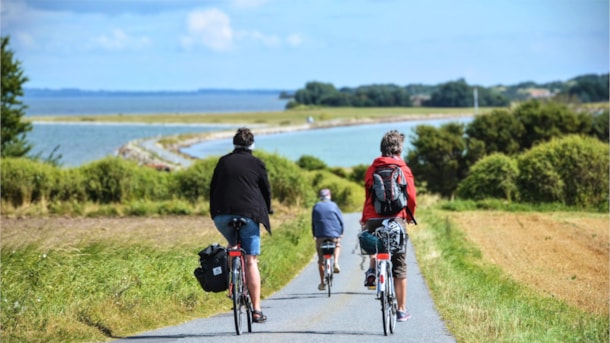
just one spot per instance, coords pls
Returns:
(250, 233)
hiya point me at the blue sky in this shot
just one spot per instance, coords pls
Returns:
(282, 44)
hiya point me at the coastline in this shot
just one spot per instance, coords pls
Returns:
(168, 157)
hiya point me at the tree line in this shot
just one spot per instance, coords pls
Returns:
(530, 161)
(458, 93)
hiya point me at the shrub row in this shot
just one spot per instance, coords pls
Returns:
(114, 180)
(572, 170)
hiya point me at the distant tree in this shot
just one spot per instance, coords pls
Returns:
(499, 130)
(590, 88)
(314, 92)
(438, 157)
(543, 121)
(452, 94)
(13, 129)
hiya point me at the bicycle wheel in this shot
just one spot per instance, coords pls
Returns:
(384, 309)
(249, 309)
(393, 305)
(236, 296)
(329, 274)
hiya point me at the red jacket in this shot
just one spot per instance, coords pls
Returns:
(368, 211)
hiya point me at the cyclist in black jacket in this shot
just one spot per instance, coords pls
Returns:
(240, 188)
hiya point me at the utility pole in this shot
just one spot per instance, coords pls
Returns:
(476, 100)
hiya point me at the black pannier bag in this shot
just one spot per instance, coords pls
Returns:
(213, 275)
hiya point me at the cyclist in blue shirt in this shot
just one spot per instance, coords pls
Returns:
(326, 224)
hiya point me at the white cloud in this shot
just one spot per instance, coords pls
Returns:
(119, 40)
(211, 28)
(266, 40)
(295, 39)
(249, 3)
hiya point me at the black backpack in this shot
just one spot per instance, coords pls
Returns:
(213, 275)
(389, 190)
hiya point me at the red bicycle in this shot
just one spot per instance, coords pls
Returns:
(238, 290)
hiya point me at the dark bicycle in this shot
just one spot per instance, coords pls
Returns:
(238, 290)
(328, 251)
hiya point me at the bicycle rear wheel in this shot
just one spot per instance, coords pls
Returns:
(328, 264)
(384, 311)
(236, 296)
(249, 309)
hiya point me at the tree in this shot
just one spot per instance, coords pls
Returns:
(543, 121)
(499, 130)
(438, 157)
(13, 128)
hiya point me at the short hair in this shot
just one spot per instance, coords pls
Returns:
(391, 143)
(243, 137)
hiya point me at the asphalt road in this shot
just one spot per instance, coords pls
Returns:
(301, 313)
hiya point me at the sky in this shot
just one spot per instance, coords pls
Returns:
(184, 45)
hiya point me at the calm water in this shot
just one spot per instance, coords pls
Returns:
(81, 143)
(337, 147)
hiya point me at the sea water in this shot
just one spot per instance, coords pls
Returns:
(81, 143)
(344, 146)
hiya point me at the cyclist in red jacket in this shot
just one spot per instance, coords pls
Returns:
(391, 150)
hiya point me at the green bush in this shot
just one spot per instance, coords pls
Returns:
(193, 183)
(572, 170)
(26, 181)
(309, 162)
(70, 186)
(109, 180)
(348, 195)
(493, 176)
(289, 184)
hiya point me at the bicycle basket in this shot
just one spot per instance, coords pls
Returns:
(369, 243)
(394, 235)
(328, 248)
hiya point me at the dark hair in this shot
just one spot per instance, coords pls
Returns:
(243, 137)
(391, 143)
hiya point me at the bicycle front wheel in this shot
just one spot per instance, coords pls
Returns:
(392, 304)
(236, 295)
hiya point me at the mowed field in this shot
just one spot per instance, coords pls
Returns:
(561, 254)
(564, 255)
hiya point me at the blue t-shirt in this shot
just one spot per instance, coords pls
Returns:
(326, 220)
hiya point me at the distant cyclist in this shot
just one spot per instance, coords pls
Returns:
(391, 150)
(240, 188)
(326, 224)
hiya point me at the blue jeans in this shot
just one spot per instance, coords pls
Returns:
(250, 233)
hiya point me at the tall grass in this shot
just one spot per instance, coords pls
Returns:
(482, 304)
(97, 291)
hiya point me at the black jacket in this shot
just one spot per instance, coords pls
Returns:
(240, 186)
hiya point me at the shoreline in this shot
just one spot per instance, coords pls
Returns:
(134, 150)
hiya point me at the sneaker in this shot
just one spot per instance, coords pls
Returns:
(321, 287)
(369, 278)
(402, 316)
(336, 269)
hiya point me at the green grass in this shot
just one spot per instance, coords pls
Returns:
(480, 303)
(504, 205)
(281, 118)
(99, 291)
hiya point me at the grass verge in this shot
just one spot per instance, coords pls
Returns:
(480, 303)
(96, 291)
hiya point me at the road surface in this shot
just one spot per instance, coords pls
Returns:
(301, 313)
